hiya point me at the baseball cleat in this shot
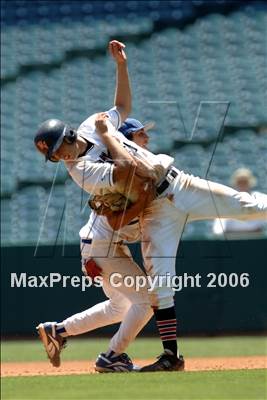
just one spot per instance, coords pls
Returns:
(167, 361)
(112, 363)
(53, 342)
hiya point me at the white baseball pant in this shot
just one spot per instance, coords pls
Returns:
(126, 305)
(187, 198)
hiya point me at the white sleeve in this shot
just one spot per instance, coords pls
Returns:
(90, 176)
(114, 117)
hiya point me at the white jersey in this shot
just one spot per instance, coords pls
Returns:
(94, 171)
(91, 172)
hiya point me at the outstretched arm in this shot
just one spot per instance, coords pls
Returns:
(123, 97)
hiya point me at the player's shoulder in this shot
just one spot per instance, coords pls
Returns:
(88, 124)
(88, 131)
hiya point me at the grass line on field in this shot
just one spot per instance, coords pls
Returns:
(88, 348)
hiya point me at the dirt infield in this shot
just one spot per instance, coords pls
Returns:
(84, 367)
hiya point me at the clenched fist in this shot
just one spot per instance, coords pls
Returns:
(116, 49)
(100, 123)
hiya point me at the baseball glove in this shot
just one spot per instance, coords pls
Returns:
(109, 202)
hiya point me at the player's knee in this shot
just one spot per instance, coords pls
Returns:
(143, 312)
(119, 308)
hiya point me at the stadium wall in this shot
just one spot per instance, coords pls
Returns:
(200, 310)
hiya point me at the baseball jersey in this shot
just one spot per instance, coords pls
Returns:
(91, 172)
(94, 171)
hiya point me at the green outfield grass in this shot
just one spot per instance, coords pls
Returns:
(191, 385)
(223, 385)
(88, 349)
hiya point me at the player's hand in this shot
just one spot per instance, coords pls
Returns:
(116, 50)
(100, 123)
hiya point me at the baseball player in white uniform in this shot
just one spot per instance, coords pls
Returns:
(133, 307)
(180, 198)
(97, 238)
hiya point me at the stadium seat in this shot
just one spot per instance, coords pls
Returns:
(175, 74)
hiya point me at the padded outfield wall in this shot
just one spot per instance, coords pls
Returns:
(200, 310)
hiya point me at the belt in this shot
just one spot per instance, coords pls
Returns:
(171, 175)
(87, 241)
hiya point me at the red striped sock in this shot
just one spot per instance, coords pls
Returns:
(167, 327)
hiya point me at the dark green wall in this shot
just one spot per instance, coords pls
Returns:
(199, 310)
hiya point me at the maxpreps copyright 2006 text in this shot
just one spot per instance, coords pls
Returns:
(116, 280)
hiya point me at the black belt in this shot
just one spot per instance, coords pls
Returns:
(171, 175)
(87, 241)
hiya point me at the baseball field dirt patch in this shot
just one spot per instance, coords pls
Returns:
(39, 368)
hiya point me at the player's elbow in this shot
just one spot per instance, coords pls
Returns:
(124, 110)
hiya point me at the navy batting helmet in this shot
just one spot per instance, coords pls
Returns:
(50, 136)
